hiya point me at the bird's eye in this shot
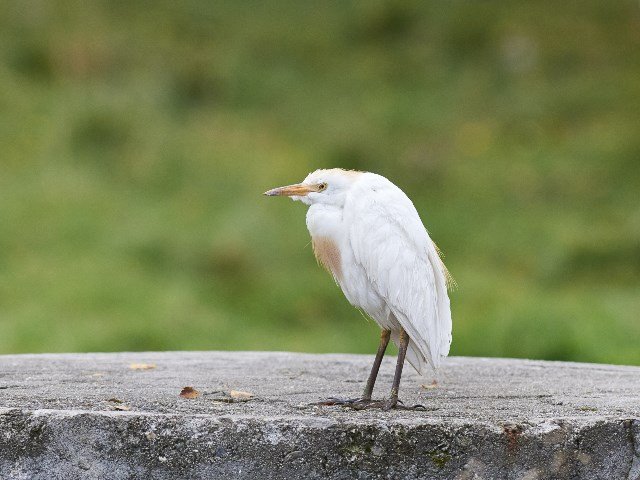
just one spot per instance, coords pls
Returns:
(322, 186)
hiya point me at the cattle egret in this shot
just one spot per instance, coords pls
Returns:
(367, 233)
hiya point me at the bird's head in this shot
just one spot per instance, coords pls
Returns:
(329, 187)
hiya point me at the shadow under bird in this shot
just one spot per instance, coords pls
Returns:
(367, 233)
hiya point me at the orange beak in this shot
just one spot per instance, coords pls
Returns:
(290, 190)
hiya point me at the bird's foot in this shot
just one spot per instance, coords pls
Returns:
(355, 403)
(365, 404)
(394, 404)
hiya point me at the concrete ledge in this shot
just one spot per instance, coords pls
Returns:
(92, 416)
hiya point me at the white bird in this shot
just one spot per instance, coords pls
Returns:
(367, 233)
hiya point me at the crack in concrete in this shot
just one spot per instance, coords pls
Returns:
(495, 397)
(634, 468)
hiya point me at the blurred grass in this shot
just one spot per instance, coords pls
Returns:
(138, 136)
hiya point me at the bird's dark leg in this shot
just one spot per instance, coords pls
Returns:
(371, 381)
(392, 401)
(395, 386)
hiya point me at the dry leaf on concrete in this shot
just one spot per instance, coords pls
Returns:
(189, 392)
(431, 385)
(120, 408)
(142, 366)
(240, 396)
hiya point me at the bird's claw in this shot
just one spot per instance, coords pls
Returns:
(366, 404)
(415, 408)
(345, 402)
(396, 404)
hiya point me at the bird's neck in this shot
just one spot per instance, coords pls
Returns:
(327, 233)
(325, 221)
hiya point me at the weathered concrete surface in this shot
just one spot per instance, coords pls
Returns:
(488, 419)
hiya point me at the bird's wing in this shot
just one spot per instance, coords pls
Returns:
(392, 245)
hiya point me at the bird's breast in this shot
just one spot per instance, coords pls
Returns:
(327, 253)
(327, 232)
(331, 246)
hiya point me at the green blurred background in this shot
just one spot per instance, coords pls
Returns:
(137, 138)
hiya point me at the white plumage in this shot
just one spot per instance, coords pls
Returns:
(368, 234)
